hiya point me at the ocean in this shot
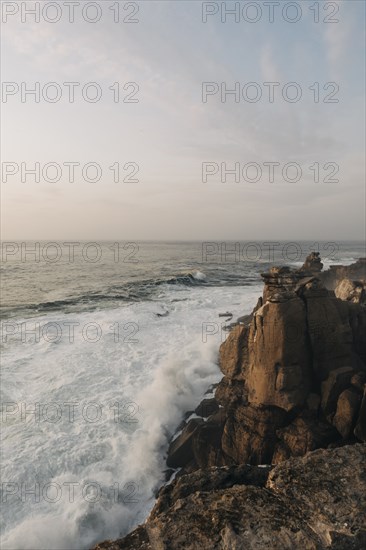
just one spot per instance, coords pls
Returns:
(105, 346)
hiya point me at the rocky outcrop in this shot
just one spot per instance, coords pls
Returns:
(294, 377)
(352, 291)
(355, 272)
(314, 502)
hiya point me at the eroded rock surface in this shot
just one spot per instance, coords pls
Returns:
(314, 502)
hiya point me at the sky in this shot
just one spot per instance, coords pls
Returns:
(172, 131)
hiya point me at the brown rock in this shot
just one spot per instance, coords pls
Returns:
(137, 540)
(232, 352)
(312, 263)
(206, 441)
(360, 430)
(355, 271)
(279, 363)
(306, 433)
(180, 451)
(348, 406)
(207, 407)
(337, 381)
(314, 502)
(250, 433)
(351, 291)
(329, 487)
(330, 333)
(235, 518)
(209, 480)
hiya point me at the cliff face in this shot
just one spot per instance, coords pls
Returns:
(294, 381)
(314, 502)
(294, 376)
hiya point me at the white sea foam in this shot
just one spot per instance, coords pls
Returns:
(165, 373)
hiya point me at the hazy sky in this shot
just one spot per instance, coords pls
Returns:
(170, 132)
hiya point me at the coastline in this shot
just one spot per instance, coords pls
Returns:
(222, 437)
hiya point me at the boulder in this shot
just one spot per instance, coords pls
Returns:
(351, 291)
(348, 406)
(337, 381)
(306, 433)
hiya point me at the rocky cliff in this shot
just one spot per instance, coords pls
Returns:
(294, 375)
(294, 381)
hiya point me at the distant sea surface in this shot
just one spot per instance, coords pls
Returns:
(104, 347)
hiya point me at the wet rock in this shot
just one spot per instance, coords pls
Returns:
(180, 451)
(137, 540)
(207, 407)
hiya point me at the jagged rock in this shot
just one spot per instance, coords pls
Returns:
(206, 441)
(207, 407)
(329, 487)
(355, 271)
(236, 518)
(180, 451)
(345, 417)
(250, 433)
(351, 291)
(230, 391)
(279, 280)
(306, 433)
(312, 263)
(302, 347)
(210, 480)
(314, 502)
(137, 540)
